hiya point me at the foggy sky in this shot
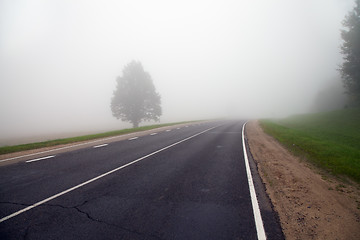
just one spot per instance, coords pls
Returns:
(59, 59)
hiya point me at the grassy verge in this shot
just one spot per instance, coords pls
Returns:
(329, 140)
(31, 146)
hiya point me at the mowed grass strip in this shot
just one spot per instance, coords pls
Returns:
(329, 140)
(31, 146)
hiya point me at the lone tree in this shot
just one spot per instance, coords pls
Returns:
(350, 69)
(135, 98)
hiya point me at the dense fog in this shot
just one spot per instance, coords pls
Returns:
(59, 60)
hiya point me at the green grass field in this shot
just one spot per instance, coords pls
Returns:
(31, 146)
(329, 140)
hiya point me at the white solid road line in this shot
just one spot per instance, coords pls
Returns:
(255, 205)
(102, 145)
(133, 138)
(39, 159)
(100, 176)
(152, 134)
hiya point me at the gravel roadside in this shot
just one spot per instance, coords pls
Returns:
(310, 206)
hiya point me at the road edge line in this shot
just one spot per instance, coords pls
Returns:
(255, 205)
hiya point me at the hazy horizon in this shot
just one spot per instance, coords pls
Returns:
(59, 60)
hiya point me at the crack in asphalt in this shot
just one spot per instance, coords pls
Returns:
(15, 203)
(26, 233)
(77, 208)
(114, 225)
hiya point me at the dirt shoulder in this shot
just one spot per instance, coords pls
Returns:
(309, 206)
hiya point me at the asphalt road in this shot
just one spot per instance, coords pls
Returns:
(183, 183)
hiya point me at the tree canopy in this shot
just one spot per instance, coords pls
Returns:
(135, 98)
(350, 69)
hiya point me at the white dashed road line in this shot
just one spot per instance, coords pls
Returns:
(130, 139)
(39, 159)
(79, 144)
(153, 134)
(72, 146)
(102, 145)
